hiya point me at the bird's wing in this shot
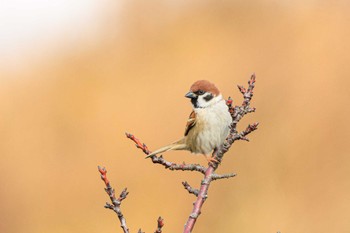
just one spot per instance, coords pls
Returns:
(190, 122)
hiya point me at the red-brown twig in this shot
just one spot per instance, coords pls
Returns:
(160, 224)
(160, 160)
(201, 197)
(116, 202)
(115, 206)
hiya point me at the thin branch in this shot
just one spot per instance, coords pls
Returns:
(202, 196)
(160, 160)
(237, 114)
(242, 135)
(249, 93)
(223, 176)
(191, 190)
(115, 206)
(160, 224)
(138, 144)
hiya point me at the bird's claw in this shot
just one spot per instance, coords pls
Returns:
(212, 160)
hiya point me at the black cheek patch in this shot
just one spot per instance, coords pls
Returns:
(208, 97)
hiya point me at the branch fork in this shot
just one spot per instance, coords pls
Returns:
(116, 203)
(237, 113)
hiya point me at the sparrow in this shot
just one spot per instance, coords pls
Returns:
(208, 124)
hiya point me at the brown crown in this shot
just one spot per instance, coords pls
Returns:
(206, 86)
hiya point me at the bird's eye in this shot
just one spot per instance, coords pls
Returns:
(200, 92)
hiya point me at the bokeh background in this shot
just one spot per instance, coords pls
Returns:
(75, 75)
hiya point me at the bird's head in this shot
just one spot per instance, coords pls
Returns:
(203, 94)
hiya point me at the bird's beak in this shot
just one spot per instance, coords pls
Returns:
(190, 95)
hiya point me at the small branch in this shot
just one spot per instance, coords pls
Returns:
(138, 144)
(160, 225)
(190, 189)
(223, 176)
(237, 114)
(178, 167)
(140, 231)
(241, 89)
(242, 135)
(201, 197)
(249, 93)
(115, 206)
(160, 160)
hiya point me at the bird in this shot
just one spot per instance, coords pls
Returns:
(208, 124)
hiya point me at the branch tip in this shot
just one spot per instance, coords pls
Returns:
(160, 224)
(252, 79)
(223, 176)
(229, 101)
(115, 206)
(241, 89)
(191, 190)
(253, 126)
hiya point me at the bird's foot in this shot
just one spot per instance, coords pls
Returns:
(211, 159)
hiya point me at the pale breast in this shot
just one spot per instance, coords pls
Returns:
(211, 128)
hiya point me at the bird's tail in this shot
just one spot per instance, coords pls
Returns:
(178, 145)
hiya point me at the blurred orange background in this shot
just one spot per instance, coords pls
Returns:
(76, 76)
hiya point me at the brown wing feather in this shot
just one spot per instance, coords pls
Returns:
(190, 122)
